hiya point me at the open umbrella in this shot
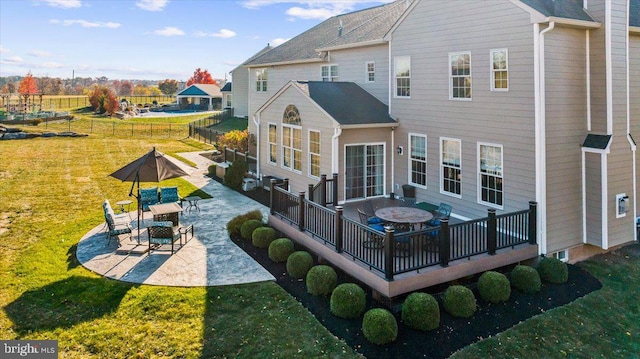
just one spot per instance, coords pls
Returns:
(152, 167)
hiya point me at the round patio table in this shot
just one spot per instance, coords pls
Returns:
(403, 215)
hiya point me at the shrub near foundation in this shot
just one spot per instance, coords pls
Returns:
(553, 270)
(459, 301)
(280, 249)
(421, 311)
(299, 263)
(263, 236)
(348, 301)
(233, 226)
(525, 279)
(247, 228)
(494, 287)
(379, 326)
(321, 280)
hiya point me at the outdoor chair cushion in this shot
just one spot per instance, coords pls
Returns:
(169, 194)
(148, 197)
(116, 225)
(163, 232)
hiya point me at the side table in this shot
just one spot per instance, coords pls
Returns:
(192, 203)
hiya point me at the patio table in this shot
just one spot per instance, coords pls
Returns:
(166, 212)
(405, 215)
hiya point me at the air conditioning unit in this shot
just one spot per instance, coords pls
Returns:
(249, 184)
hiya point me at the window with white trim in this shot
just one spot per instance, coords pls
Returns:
(450, 165)
(228, 104)
(371, 71)
(314, 153)
(261, 80)
(329, 73)
(490, 181)
(562, 255)
(292, 139)
(499, 70)
(402, 75)
(273, 140)
(460, 76)
(418, 159)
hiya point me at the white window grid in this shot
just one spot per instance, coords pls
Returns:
(460, 76)
(371, 71)
(314, 153)
(451, 166)
(402, 75)
(499, 70)
(418, 160)
(273, 143)
(490, 175)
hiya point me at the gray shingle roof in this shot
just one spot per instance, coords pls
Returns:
(347, 103)
(570, 9)
(358, 26)
(634, 13)
(226, 87)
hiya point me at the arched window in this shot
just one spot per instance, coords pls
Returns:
(291, 139)
(291, 116)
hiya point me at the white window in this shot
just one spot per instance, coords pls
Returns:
(261, 80)
(490, 174)
(314, 153)
(418, 160)
(273, 140)
(499, 70)
(460, 76)
(228, 101)
(562, 255)
(292, 139)
(371, 71)
(402, 74)
(330, 73)
(450, 165)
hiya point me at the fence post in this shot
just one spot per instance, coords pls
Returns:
(285, 184)
(224, 153)
(272, 196)
(444, 242)
(310, 192)
(169, 129)
(339, 229)
(323, 190)
(151, 130)
(113, 128)
(492, 232)
(235, 154)
(533, 222)
(335, 189)
(131, 129)
(389, 249)
(301, 211)
(91, 129)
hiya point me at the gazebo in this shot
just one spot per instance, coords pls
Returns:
(203, 97)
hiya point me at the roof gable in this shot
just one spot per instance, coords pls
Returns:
(568, 9)
(206, 90)
(226, 87)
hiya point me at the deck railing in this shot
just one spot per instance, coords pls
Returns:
(389, 253)
(325, 192)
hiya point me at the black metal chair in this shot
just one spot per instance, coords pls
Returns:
(367, 207)
(373, 240)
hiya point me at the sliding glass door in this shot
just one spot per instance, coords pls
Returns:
(364, 171)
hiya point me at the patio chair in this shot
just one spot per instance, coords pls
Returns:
(442, 212)
(116, 225)
(372, 241)
(367, 208)
(169, 194)
(164, 233)
(148, 197)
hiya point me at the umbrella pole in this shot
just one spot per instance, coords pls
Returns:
(139, 207)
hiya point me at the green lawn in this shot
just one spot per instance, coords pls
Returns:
(235, 123)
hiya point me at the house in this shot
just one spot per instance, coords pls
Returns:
(227, 95)
(479, 104)
(240, 92)
(204, 97)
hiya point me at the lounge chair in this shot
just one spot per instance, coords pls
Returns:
(117, 225)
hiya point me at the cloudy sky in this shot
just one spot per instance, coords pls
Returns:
(149, 39)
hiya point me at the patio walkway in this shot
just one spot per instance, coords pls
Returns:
(210, 258)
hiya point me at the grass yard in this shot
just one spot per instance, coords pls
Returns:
(235, 123)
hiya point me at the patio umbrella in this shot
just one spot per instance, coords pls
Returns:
(152, 167)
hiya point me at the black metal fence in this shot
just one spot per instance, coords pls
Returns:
(201, 130)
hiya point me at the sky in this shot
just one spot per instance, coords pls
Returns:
(150, 39)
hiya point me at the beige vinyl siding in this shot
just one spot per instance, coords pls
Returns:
(311, 118)
(594, 198)
(566, 128)
(634, 104)
(352, 68)
(428, 34)
(240, 91)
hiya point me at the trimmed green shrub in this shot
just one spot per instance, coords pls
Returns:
(553, 270)
(321, 280)
(421, 311)
(211, 170)
(525, 279)
(379, 326)
(299, 263)
(494, 287)
(459, 301)
(235, 174)
(348, 301)
(280, 249)
(247, 228)
(233, 226)
(263, 236)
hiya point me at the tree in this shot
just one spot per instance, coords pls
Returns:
(28, 85)
(103, 99)
(168, 87)
(201, 77)
(154, 91)
(141, 90)
(126, 88)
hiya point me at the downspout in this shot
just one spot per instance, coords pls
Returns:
(391, 85)
(335, 150)
(584, 169)
(629, 139)
(541, 143)
(393, 157)
(588, 65)
(256, 120)
(609, 70)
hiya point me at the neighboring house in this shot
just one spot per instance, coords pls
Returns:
(227, 95)
(200, 97)
(479, 104)
(240, 92)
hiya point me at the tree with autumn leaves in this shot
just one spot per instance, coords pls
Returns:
(201, 77)
(168, 87)
(103, 99)
(28, 85)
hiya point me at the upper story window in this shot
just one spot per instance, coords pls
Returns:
(490, 174)
(402, 74)
(314, 153)
(460, 76)
(418, 159)
(329, 73)
(292, 139)
(371, 71)
(499, 70)
(450, 164)
(229, 103)
(261, 80)
(273, 140)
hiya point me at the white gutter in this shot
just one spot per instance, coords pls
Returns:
(257, 116)
(588, 65)
(634, 172)
(608, 67)
(292, 62)
(541, 152)
(352, 45)
(337, 131)
(393, 156)
(369, 125)
(391, 85)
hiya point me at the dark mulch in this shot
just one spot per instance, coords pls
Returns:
(453, 333)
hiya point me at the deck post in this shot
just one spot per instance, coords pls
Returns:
(310, 192)
(389, 249)
(533, 219)
(492, 232)
(235, 154)
(323, 190)
(444, 242)
(338, 229)
(301, 212)
(335, 189)
(224, 153)
(285, 184)
(272, 196)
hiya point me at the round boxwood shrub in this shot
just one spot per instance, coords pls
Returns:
(421, 311)
(494, 287)
(553, 270)
(459, 301)
(247, 228)
(348, 301)
(379, 326)
(321, 280)
(299, 263)
(233, 226)
(280, 249)
(525, 279)
(263, 236)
